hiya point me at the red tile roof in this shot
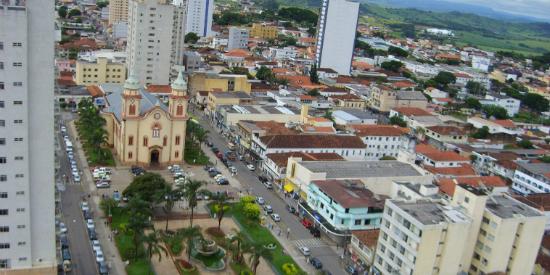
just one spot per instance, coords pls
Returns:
(448, 186)
(463, 170)
(300, 81)
(447, 130)
(312, 141)
(379, 130)
(445, 156)
(281, 159)
(273, 127)
(159, 89)
(350, 193)
(538, 201)
(238, 53)
(412, 111)
(506, 123)
(82, 43)
(367, 237)
(425, 148)
(94, 91)
(403, 84)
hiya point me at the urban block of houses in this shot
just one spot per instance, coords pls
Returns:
(345, 204)
(246, 129)
(275, 164)
(383, 99)
(362, 247)
(348, 101)
(503, 126)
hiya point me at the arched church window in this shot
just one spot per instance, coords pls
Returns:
(179, 110)
(132, 109)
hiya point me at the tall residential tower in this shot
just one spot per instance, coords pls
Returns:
(199, 17)
(27, 203)
(118, 11)
(155, 39)
(336, 35)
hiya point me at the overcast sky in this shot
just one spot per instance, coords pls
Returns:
(533, 8)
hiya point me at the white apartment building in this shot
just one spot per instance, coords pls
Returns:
(199, 17)
(289, 52)
(118, 11)
(27, 199)
(336, 35)
(509, 103)
(381, 140)
(474, 233)
(481, 63)
(155, 40)
(532, 178)
(238, 38)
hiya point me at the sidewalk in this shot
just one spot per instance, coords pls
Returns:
(116, 266)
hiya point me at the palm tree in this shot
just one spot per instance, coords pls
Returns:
(258, 251)
(140, 213)
(220, 206)
(152, 241)
(240, 245)
(189, 234)
(169, 196)
(191, 190)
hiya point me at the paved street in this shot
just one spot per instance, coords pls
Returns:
(81, 252)
(298, 234)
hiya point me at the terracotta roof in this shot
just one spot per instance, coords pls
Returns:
(306, 97)
(448, 186)
(447, 130)
(238, 53)
(361, 65)
(463, 170)
(159, 89)
(508, 164)
(462, 75)
(281, 159)
(278, 71)
(506, 123)
(367, 237)
(299, 81)
(422, 148)
(312, 141)
(447, 56)
(307, 39)
(538, 201)
(412, 111)
(80, 44)
(444, 156)
(403, 84)
(379, 130)
(94, 91)
(350, 193)
(317, 119)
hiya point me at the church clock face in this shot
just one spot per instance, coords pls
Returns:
(156, 116)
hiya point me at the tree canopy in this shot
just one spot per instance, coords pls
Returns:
(481, 133)
(149, 187)
(397, 51)
(313, 75)
(444, 78)
(393, 65)
(397, 120)
(475, 88)
(472, 103)
(62, 11)
(299, 15)
(495, 111)
(191, 38)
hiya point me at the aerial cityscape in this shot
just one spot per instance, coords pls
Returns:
(274, 137)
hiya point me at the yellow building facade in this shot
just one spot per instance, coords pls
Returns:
(118, 11)
(141, 129)
(263, 31)
(211, 82)
(99, 72)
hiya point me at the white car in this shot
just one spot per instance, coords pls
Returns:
(260, 200)
(103, 184)
(251, 167)
(305, 250)
(84, 206)
(232, 169)
(99, 256)
(76, 178)
(62, 228)
(63, 129)
(218, 176)
(275, 217)
(90, 224)
(96, 246)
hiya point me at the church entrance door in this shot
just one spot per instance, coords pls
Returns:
(154, 157)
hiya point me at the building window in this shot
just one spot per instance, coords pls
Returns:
(17, 84)
(164, 141)
(177, 154)
(19, 176)
(18, 102)
(156, 132)
(3, 177)
(4, 229)
(145, 141)
(2, 141)
(4, 263)
(3, 195)
(17, 44)
(2, 105)
(131, 140)
(18, 158)
(1, 85)
(20, 210)
(177, 140)
(357, 222)
(179, 110)
(17, 64)
(130, 155)
(18, 121)
(132, 110)
(3, 160)
(4, 245)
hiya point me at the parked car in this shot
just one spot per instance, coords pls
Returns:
(116, 196)
(102, 268)
(64, 241)
(103, 184)
(215, 150)
(262, 179)
(76, 178)
(213, 173)
(316, 263)
(275, 217)
(84, 206)
(90, 224)
(260, 200)
(99, 256)
(223, 182)
(305, 250)
(268, 185)
(209, 143)
(66, 254)
(87, 215)
(136, 170)
(268, 209)
(233, 169)
(315, 232)
(251, 167)
(351, 270)
(63, 228)
(92, 235)
(96, 246)
(291, 209)
(307, 223)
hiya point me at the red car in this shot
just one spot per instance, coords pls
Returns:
(307, 223)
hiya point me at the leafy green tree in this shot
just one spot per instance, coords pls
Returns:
(313, 75)
(74, 12)
(397, 120)
(149, 187)
(189, 234)
(62, 11)
(444, 78)
(393, 65)
(153, 245)
(314, 92)
(475, 88)
(169, 196)
(472, 103)
(264, 73)
(220, 203)
(535, 102)
(396, 51)
(525, 144)
(102, 4)
(545, 159)
(251, 211)
(481, 133)
(495, 111)
(258, 251)
(299, 15)
(239, 245)
(191, 38)
(139, 219)
(191, 190)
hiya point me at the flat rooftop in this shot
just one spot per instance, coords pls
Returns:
(507, 207)
(361, 169)
(260, 109)
(430, 212)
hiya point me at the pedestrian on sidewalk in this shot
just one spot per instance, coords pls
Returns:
(287, 232)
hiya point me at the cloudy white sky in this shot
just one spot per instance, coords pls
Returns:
(533, 8)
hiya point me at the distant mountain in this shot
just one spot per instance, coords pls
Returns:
(448, 6)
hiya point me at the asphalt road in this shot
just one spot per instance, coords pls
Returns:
(298, 233)
(82, 256)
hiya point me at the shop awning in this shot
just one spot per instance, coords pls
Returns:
(289, 187)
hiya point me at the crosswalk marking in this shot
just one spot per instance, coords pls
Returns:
(310, 243)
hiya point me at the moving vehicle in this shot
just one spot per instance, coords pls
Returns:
(251, 167)
(316, 263)
(307, 223)
(305, 250)
(315, 232)
(275, 217)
